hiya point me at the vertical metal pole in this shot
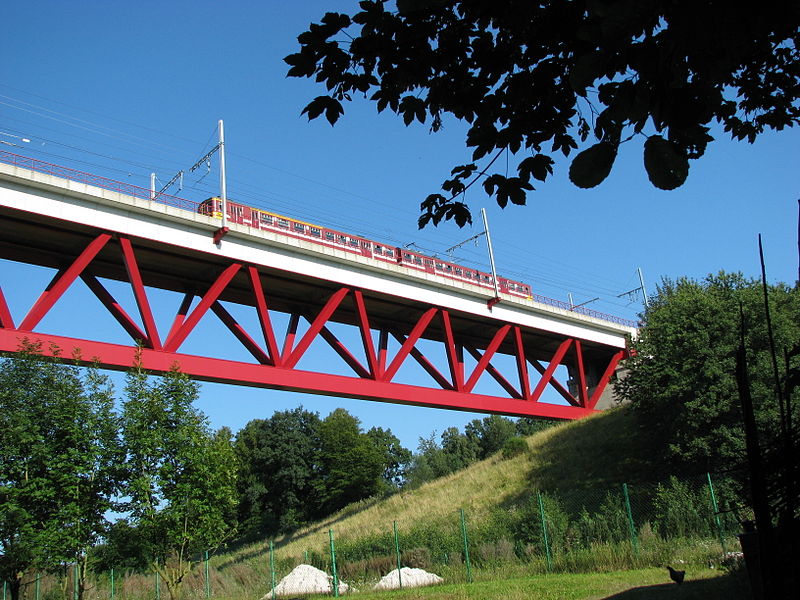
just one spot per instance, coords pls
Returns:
(112, 583)
(491, 252)
(38, 585)
(544, 534)
(75, 582)
(272, 566)
(222, 190)
(333, 565)
(644, 291)
(208, 580)
(716, 514)
(631, 526)
(466, 546)
(397, 553)
(158, 586)
(5, 584)
(571, 303)
(152, 186)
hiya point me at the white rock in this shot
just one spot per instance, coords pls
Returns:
(409, 577)
(305, 579)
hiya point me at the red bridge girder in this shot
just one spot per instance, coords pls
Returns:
(275, 360)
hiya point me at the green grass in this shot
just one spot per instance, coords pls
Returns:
(623, 585)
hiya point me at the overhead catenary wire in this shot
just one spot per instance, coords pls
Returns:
(330, 210)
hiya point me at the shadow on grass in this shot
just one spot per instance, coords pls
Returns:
(730, 587)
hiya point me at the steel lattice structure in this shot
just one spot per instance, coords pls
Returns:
(81, 251)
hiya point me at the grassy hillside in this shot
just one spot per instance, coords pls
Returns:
(591, 454)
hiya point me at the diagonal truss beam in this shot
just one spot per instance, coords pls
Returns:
(61, 282)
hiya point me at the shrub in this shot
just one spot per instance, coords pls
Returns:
(514, 447)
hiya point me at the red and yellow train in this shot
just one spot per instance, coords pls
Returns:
(330, 238)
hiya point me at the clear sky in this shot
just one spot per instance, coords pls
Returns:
(123, 89)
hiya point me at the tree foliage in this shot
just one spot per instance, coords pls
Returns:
(277, 466)
(181, 477)
(535, 79)
(59, 452)
(681, 378)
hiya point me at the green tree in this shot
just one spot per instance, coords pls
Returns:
(532, 79)
(181, 477)
(681, 377)
(58, 463)
(396, 458)
(490, 434)
(277, 460)
(350, 465)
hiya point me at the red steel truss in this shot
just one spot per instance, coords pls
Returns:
(275, 360)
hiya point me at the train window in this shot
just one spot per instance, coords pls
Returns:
(378, 249)
(314, 231)
(428, 262)
(389, 253)
(406, 256)
(448, 268)
(265, 218)
(439, 266)
(365, 244)
(329, 236)
(354, 243)
(487, 278)
(282, 222)
(341, 239)
(459, 272)
(417, 260)
(299, 227)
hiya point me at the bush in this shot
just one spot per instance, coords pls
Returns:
(514, 447)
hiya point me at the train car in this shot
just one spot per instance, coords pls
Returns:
(352, 244)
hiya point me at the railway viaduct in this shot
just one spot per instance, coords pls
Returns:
(377, 318)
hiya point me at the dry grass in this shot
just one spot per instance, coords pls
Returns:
(478, 489)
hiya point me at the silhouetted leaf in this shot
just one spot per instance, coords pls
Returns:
(666, 166)
(590, 167)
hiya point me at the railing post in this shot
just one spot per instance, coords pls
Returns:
(38, 585)
(112, 583)
(272, 566)
(397, 553)
(720, 531)
(466, 546)
(208, 580)
(544, 533)
(158, 586)
(333, 565)
(631, 525)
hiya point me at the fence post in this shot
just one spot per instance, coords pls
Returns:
(112, 583)
(720, 531)
(75, 582)
(333, 565)
(631, 525)
(208, 580)
(5, 584)
(158, 586)
(38, 585)
(397, 553)
(272, 566)
(466, 546)
(544, 533)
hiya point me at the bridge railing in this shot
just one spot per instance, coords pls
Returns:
(105, 183)
(47, 168)
(582, 310)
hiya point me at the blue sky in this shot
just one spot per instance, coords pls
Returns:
(123, 89)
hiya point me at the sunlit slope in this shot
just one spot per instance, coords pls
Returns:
(594, 453)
